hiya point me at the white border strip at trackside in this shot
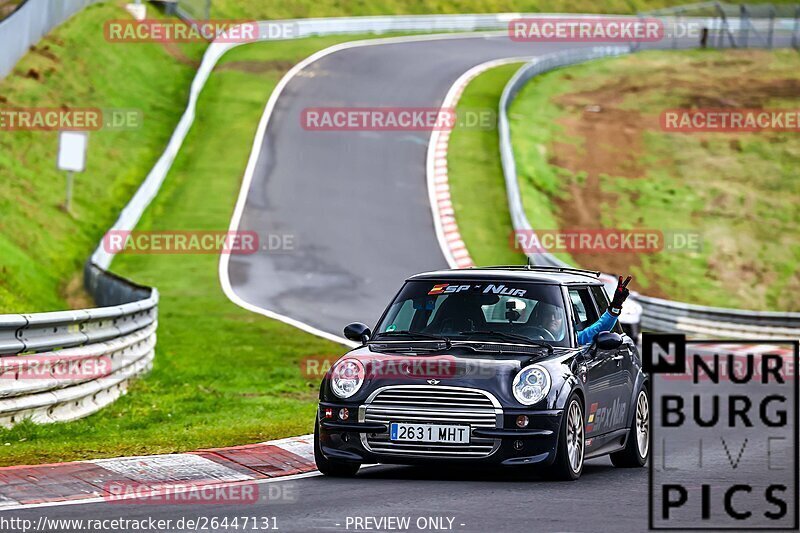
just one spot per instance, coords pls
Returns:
(255, 153)
(301, 446)
(176, 490)
(436, 170)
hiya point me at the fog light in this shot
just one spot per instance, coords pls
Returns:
(518, 445)
(344, 413)
(328, 412)
(522, 421)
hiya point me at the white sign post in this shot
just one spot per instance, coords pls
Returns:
(72, 157)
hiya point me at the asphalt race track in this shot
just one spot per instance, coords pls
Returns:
(356, 205)
(604, 499)
(354, 202)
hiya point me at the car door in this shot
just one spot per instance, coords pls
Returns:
(603, 371)
(621, 368)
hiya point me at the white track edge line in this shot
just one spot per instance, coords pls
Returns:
(256, 152)
(181, 490)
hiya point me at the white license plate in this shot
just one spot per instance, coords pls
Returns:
(400, 431)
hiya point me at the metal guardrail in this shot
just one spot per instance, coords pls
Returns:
(102, 348)
(28, 24)
(669, 316)
(123, 331)
(657, 314)
(64, 365)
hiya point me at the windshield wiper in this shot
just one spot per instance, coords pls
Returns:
(413, 335)
(510, 337)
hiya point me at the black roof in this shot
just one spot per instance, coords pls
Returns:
(536, 274)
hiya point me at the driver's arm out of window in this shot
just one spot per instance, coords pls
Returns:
(604, 323)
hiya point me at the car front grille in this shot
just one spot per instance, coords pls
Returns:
(430, 404)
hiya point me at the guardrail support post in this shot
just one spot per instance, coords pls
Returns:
(723, 29)
(771, 27)
(744, 25)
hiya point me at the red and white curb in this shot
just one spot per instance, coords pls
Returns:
(444, 220)
(101, 480)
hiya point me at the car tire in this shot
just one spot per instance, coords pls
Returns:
(637, 446)
(331, 467)
(571, 446)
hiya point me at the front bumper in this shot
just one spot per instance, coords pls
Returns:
(533, 445)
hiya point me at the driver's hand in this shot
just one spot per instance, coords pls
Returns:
(620, 295)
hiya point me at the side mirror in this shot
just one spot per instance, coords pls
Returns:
(608, 340)
(360, 332)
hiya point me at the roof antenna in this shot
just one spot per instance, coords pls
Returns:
(529, 262)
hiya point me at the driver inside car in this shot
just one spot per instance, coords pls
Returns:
(550, 318)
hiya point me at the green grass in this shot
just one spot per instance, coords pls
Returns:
(478, 192)
(42, 247)
(738, 191)
(222, 375)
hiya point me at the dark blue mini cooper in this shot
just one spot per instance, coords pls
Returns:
(483, 366)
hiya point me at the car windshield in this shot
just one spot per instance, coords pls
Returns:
(477, 310)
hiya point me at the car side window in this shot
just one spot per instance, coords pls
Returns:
(583, 307)
(601, 298)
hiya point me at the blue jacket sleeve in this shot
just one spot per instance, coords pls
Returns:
(604, 323)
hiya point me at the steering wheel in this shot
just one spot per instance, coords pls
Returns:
(543, 333)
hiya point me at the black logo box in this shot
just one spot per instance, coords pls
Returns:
(678, 366)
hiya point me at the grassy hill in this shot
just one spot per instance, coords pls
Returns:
(222, 375)
(590, 154)
(42, 247)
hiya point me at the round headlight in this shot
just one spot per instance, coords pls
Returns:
(347, 377)
(531, 384)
